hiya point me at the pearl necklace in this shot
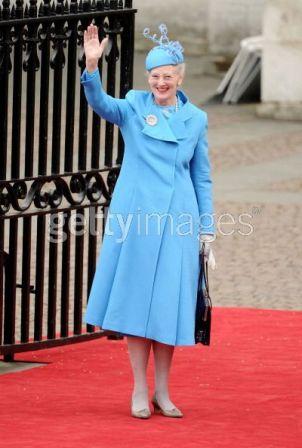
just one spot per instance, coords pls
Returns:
(166, 110)
(177, 104)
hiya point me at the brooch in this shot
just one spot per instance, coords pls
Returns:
(151, 120)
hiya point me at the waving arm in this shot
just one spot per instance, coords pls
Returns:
(107, 107)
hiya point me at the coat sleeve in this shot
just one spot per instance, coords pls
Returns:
(107, 107)
(200, 171)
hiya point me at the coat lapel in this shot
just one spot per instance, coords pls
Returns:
(170, 130)
(161, 130)
(178, 120)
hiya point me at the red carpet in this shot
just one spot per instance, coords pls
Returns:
(245, 390)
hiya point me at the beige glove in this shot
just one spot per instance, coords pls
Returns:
(206, 240)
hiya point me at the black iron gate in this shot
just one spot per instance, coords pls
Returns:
(58, 165)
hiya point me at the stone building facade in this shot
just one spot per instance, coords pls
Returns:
(203, 26)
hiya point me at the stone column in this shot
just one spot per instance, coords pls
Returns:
(281, 83)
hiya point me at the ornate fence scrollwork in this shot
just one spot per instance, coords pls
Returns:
(49, 192)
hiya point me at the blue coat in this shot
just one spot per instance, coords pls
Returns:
(145, 282)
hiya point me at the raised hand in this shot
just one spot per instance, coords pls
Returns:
(92, 47)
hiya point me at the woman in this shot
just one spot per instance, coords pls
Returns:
(145, 283)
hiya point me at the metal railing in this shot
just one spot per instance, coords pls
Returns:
(56, 165)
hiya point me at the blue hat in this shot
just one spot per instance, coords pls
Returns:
(166, 52)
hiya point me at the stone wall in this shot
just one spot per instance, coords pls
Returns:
(232, 20)
(202, 26)
(186, 21)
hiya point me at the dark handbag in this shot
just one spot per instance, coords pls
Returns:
(203, 304)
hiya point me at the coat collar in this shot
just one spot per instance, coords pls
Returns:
(170, 130)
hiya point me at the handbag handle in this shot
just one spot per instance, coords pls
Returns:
(206, 277)
(205, 273)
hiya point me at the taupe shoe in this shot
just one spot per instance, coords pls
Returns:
(174, 412)
(142, 413)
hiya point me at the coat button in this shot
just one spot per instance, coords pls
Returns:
(151, 120)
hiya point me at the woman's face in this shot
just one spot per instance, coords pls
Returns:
(163, 82)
